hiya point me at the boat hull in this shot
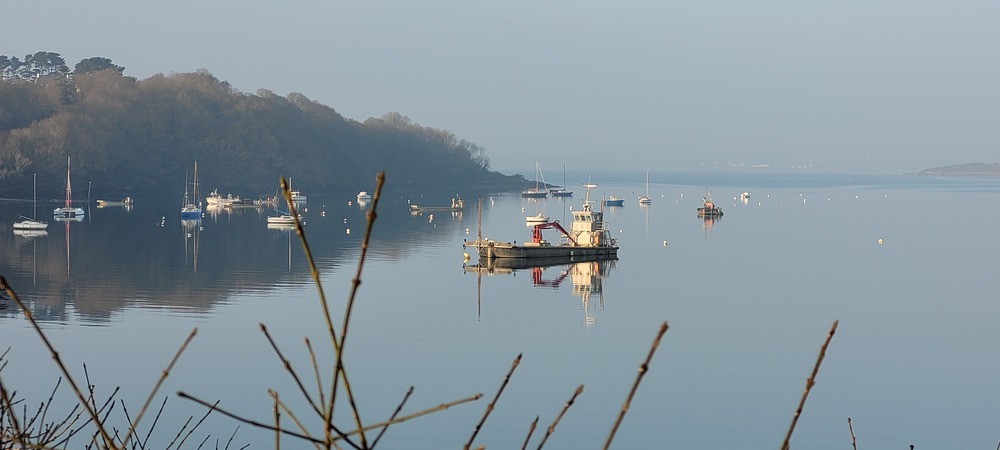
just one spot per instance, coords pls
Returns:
(496, 250)
(68, 212)
(30, 225)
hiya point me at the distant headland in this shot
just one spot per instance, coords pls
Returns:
(975, 169)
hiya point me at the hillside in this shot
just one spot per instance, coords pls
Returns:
(141, 137)
(976, 169)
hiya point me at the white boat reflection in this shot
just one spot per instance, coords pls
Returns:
(192, 231)
(30, 233)
(586, 275)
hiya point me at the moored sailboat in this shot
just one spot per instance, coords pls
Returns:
(68, 211)
(645, 199)
(190, 210)
(537, 191)
(30, 223)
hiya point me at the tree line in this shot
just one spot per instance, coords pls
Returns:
(40, 64)
(140, 137)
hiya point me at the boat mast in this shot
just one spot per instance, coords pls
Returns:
(69, 190)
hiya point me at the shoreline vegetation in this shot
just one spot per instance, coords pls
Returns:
(90, 421)
(132, 137)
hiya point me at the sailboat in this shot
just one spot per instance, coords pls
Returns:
(644, 199)
(29, 223)
(535, 192)
(190, 210)
(68, 212)
(562, 192)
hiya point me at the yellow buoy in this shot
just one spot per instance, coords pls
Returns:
(466, 257)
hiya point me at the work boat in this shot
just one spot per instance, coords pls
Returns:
(587, 237)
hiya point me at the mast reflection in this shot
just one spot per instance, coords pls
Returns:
(192, 231)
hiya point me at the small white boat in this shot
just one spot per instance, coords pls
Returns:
(281, 219)
(538, 218)
(127, 201)
(68, 211)
(297, 197)
(216, 199)
(364, 196)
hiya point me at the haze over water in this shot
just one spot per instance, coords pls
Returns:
(904, 263)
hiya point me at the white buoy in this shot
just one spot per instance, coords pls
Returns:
(348, 231)
(879, 241)
(664, 243)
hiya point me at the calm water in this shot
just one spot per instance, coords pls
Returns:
(907, 264)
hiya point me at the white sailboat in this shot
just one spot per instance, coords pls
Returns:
(645, 199)
(68, 212)
(537, 191)
(30, 223)
(190, 210)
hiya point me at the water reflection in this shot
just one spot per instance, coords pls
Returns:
(586, 277)
(192, 234)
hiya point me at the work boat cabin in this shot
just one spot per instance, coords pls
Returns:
(588, 228)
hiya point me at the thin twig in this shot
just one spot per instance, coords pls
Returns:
(11, 415)
(159, 383)
(854, 442)
(277, 423)
(489, 407)
(254, 422)
(291, 371)
(417, 414)
(211, 408)
(279, 404)
(156, 420)
(395, 413)
(809, 385)
(552, 428)
(531, 430)
(635, 386)
(315, 365)
(108, 441)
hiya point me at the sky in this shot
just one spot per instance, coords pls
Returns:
(873, 86)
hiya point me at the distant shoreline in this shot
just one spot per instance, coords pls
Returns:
(971, 169)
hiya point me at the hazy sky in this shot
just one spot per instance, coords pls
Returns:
(872, 85)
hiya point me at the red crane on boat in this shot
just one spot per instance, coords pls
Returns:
(536, 232)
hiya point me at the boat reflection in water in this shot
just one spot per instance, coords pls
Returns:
(586, 275)
(192, 230)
